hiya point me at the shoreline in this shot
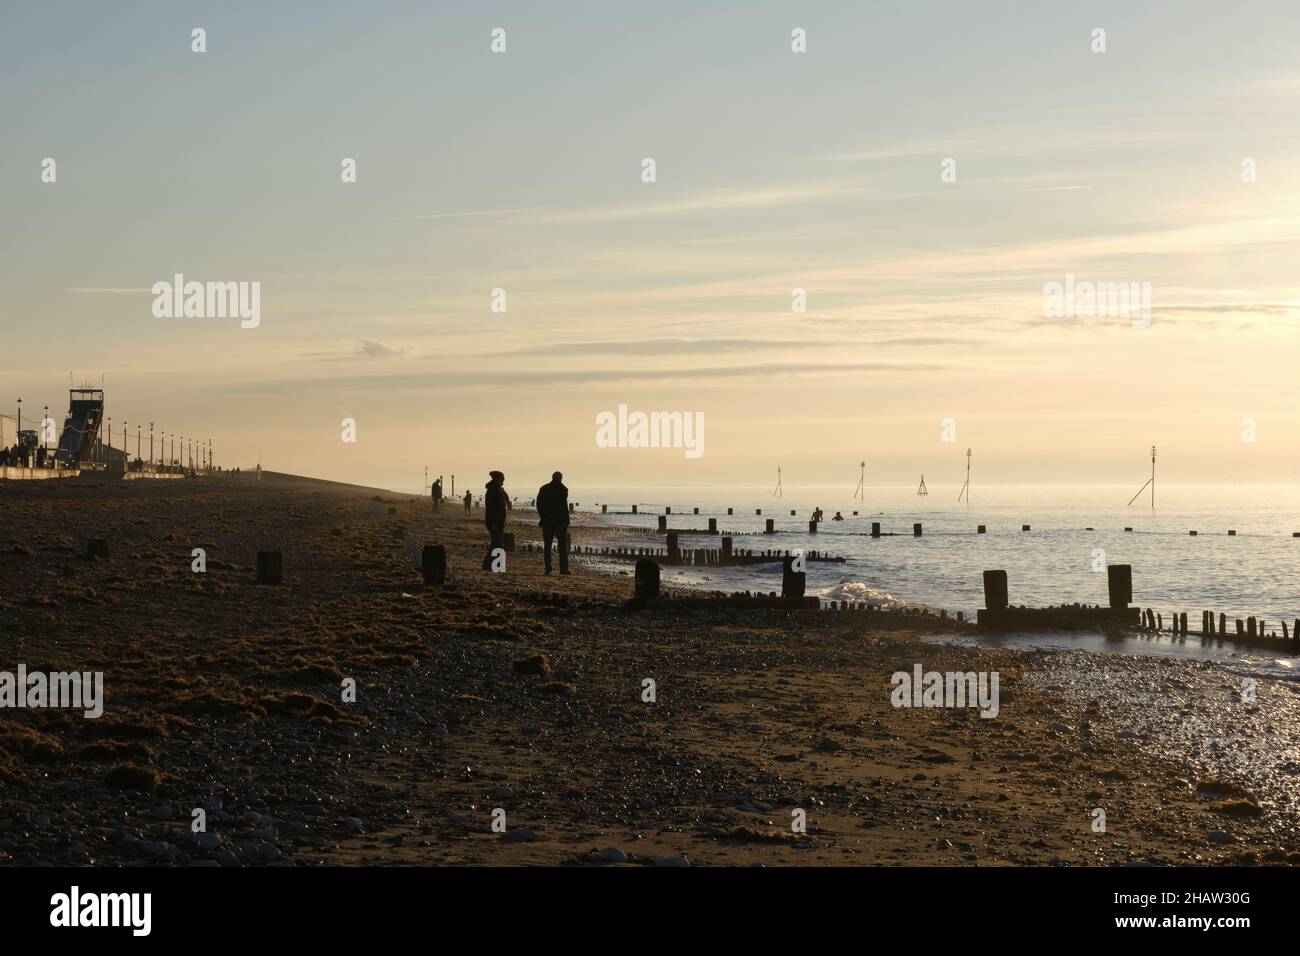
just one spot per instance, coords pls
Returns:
(524, 692)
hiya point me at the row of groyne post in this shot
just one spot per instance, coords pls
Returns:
(770, 524)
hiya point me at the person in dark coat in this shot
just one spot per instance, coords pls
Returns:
(553, 510)
(495, 505)
(469, 503)
(436, 494)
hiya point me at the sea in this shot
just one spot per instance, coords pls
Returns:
(1074, 533)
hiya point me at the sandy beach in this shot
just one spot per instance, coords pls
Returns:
(525, 693)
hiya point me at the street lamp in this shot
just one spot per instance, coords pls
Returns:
(151, 444)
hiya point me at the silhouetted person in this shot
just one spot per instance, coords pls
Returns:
(436, 494)
(495, 505)
(838, 517)
(469, 503)
(553, 509)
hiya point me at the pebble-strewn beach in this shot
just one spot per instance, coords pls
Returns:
(225, 695)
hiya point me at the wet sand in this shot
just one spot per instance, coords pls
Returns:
(225, 695)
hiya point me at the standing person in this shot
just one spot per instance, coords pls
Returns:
(469, 503)
(436, 494)
(495, 505)
(553, 510)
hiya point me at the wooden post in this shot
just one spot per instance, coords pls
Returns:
(981, 530)
(1232, 533)
(728, 511)
(1119, 585)
(995, 590)
(663, 523)
(1192, 533)
(726, 550)
(697, 511)
(875, 529)
(812, 527)
(1241, 631)
(674, 552)
(433, 563)
(646, 580)
(793, 583)
(1024, 527)
(713, 526)
(270, 567)
(916, 530)
(634, 509)
(1182, 623)
(1223, 625)
(604, 509)
(668, 510)
(758, 511)
(769, 526)
(1250, 627)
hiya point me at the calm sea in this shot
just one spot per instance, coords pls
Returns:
(1074, 532)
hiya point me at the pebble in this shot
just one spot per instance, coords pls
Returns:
(613, 854)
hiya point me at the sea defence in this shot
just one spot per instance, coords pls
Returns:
(17, 473)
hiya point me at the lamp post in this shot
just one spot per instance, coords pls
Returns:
(109, 454)
(151, 444)
(20, 416)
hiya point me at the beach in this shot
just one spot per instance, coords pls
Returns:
(526, 694)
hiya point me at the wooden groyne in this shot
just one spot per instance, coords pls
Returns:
(999, 614)
(673, 554)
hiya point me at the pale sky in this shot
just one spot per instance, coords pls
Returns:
(775, 170)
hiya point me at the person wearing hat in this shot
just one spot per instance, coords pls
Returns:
(495, 505)
(553, 510)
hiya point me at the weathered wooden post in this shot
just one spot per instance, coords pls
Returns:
(1024, 527)
(697, 511)
(713, 526)
(674, 552)
(433, 563)
(728, 511)
(1192, 533)
(758, 511)
(1250, 628)
(663, 523)
(875, 529)
(769, 526)
(1119, 585)
(1232, 533)
(1223, 625)
(812, 527)
(270, 567)
(981, 530)
(604, 509)
(97, 548)
(1182, 623)
(634, 509)
(793, 583)
(646, 580)
(916, 529)
(668, 510)
(995, 590)
(1241, 629)
(726, 550)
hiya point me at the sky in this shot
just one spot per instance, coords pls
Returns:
(924, 330)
